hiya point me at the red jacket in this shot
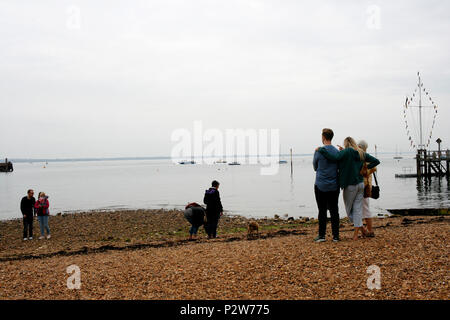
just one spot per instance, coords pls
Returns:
(42, 206)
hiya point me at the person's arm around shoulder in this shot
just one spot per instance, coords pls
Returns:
(373, 162)
(334, 157)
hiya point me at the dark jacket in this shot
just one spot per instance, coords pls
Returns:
(212, 201)
(195, 215)
(27, 206)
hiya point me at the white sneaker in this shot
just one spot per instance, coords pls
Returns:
(25, 239)
(49, 236)
(30, 238)
(41, 237)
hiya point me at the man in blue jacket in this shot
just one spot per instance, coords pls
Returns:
(326, 188)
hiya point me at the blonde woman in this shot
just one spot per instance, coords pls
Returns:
(350, 161)
(367, 174)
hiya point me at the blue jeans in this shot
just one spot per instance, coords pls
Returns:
(43, 224)
(193, 230)
(353, 200)
(194, 227)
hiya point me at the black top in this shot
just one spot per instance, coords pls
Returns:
(197, 215)
(212, 201)
(27, 206)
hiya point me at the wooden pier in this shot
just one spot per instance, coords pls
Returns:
(430, 164)
(6, 166)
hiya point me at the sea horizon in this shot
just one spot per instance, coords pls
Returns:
(127, 158)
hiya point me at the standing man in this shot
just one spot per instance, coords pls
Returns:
(326, 188)
(214, 209)
(27, 208)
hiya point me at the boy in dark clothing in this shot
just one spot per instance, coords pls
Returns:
(214, 209)
(27, 209)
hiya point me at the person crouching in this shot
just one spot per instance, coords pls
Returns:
(195, 214)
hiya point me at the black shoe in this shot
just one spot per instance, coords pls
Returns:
(336, 239)
(319, 239)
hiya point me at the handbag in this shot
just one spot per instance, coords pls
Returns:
(375, 189)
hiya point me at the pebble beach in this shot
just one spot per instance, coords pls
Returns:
(145, 254)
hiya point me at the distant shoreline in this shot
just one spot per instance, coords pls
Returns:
(33, 160)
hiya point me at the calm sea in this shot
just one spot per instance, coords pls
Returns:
(135, 184)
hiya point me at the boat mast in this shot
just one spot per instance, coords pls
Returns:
(422, 144)
(420, 111)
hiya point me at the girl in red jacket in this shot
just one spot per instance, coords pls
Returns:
(42, 212)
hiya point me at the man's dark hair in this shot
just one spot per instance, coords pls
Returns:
(215, 184)
(29, 190)
(328, 134)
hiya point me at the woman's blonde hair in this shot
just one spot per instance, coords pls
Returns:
(349, 142)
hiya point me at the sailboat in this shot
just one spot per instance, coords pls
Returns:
(187, 162)
(234, 163)
(281, 161)
(397, 156)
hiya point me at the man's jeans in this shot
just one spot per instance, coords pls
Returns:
(28, 226)
(43, 224)
(327, 201)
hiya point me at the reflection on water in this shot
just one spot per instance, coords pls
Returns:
(433, 191)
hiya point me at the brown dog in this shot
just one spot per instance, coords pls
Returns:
(253, 228)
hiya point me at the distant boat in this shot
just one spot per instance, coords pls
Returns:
(187, 162)
(235, 162)
(281, 161)
(397, 155)
(220, 161)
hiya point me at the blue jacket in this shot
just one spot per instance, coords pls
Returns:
(326, 171)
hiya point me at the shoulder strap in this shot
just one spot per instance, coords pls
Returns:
(375, 176)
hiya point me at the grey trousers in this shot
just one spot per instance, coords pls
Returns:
(353, 200)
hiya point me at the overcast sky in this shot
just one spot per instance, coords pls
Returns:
(119, 78)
